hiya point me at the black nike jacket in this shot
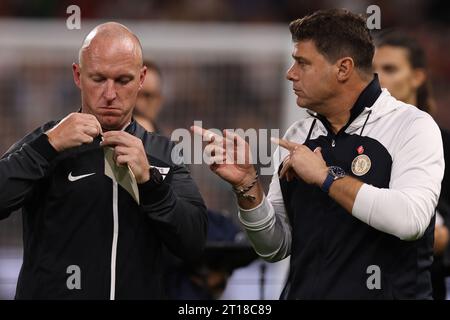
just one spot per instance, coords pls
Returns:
(84, 236)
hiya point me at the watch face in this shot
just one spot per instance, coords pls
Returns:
(337, 172)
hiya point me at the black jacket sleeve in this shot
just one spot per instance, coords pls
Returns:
(178, 210)
(21, 167)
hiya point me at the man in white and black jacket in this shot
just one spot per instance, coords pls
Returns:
(86, 237)
(357, 181)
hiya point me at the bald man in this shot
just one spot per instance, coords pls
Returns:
(100, 195)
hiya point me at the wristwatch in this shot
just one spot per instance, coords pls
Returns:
(334, 173)
(155, 176)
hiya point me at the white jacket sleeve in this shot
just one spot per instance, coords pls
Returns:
(406, 208)
(267, 226)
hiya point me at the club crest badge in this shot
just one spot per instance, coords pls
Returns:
(361, 165)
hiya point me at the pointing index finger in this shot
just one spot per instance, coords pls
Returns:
(284, 143)
(206, 134)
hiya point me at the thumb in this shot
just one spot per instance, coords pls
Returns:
(318, 151)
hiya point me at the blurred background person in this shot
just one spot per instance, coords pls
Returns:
(150, 99)
(401, 64)
(226, 250)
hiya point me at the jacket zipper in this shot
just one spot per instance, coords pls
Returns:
(115, 238)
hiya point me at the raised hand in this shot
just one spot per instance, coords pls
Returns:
(303, 163)
(74, 130)
(229, 156)
(129, 150)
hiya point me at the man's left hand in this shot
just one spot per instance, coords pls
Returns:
(303, 163)
(129, 150)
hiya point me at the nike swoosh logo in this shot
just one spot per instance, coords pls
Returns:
(75, 178)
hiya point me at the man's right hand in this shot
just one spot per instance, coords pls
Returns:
(74, 130)
(229, 156)
(231, 159)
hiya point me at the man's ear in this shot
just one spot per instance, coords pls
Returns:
(418, 78)
(76, 70)
(345, 68)
(142, 75)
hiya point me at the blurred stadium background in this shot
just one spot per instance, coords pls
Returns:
(223, 62)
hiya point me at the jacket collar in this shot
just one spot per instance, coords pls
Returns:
(131, 127)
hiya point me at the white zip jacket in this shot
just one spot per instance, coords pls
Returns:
(404, 210)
